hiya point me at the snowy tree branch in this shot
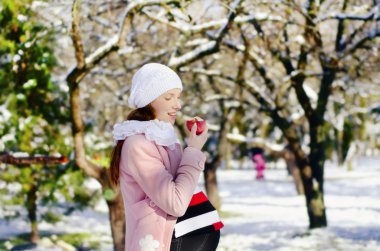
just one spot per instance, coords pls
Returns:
(227, 99)
(112, 44)
(372, 15)
(369, 36)
(201, 51)
(259, 94)
(340, 31)
(297, 77)
(212, 25)
(259, 63)
(75, 35)
(114, 6)
(133, 6)
(243, 63)
(83, 67)
(31, 160)
(251, 87)
(271, 148)
(208, 48)
(350, 38)
(256, 60)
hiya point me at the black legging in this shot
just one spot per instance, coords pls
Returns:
(201, 242)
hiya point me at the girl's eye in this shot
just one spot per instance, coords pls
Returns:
(169, 98)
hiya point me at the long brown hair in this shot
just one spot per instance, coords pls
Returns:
(145, 113)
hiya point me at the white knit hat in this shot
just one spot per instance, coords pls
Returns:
(151, 81)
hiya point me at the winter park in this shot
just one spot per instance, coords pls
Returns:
(189, 125)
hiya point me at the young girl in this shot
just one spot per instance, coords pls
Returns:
(164, 209)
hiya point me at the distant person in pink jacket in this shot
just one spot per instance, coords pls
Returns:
(259, 161)
(164, 208)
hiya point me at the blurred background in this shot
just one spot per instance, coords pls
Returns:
(290, 90)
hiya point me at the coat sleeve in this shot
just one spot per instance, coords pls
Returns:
(145, 165)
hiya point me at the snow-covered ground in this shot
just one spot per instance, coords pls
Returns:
(269, 215)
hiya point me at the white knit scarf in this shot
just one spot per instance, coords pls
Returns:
(162, 133)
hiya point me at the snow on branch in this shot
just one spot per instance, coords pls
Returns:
(83, 67)
(75, 35)
(251, 87)
(210, 73)
(303, 93)
(102, 21)
(207, 48)
(259, 94)
(337, 120)
(255, 59)
(98, 53)
(373, 15)
(84, 64)
(214, 97)
(369, 36)
(199, 28)
(270, 147)
(189, 57)
(137, 5)
(229, 102)
(25, 160)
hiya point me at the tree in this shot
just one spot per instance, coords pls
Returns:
(278, 59)
(312, 62)
(291, 62)
(84, 64)
(34, 115)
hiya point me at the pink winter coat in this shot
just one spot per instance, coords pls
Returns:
(259, 161)
(157, 185)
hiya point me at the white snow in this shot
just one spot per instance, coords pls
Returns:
(268, 215)
(271, 216)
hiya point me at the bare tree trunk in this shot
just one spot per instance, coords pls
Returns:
(350, 156)
(211, 182)
(312, 180)
(339, 140)
(294, 170)
(296, 174)
(116, 208)
(75, 76)
(311, 168)
(314, 199)
(117, 219)
(31, 205)
(210, 178)
(315, 190)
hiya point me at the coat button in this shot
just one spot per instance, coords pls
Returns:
(152, 204)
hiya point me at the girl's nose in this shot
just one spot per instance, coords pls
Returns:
(177, 104)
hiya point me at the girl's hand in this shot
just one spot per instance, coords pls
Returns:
(197, 141)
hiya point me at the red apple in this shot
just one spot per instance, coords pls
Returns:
(201, 124)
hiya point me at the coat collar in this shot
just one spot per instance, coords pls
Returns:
(162, 133)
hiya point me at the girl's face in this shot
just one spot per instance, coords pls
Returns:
(167, 105)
